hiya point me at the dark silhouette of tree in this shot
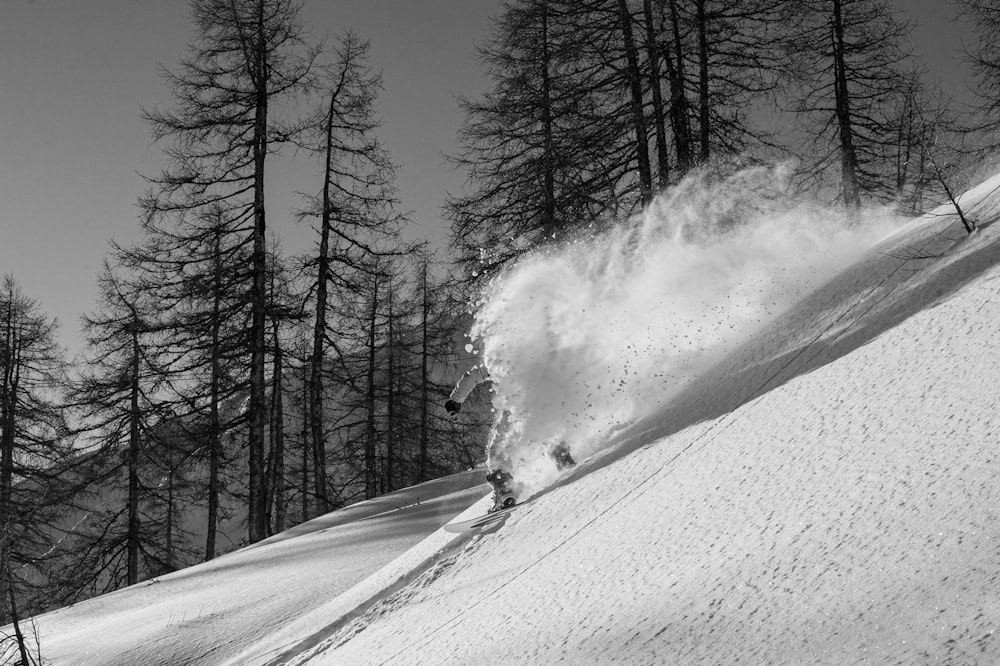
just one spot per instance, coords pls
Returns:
(117, 401)
(285, 313)
(248, 58)
(672, 47)
(928, 135)
(983, 55)
(653, 25)
(355, 218)
(34, 449)
(547, 147)
(197, 272)
(575, 129)
(637, 107)
(851, 73)
(443, 444)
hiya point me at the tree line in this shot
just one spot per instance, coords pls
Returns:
(229, 388)
(597, 104)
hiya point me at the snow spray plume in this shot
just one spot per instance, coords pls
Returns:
(589, 336)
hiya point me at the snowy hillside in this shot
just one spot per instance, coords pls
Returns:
(827, 494)
(817, 486)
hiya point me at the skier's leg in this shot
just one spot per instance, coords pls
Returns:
(498, 463)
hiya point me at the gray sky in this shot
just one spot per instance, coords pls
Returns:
(74, 74)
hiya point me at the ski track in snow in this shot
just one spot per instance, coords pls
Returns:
(846, 513)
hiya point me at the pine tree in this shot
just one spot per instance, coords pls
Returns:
(285, 312)
(444, 444)
(850, 68)
(547, 148)
(34, 452)
(117, 399)
(248, 59)
(983, 55)
(197, 272)
(355, 218)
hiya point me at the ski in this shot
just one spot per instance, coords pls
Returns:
(481, 523)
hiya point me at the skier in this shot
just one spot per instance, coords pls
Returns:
(499, 476)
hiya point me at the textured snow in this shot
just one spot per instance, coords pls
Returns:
(826, 494)
(271, 596)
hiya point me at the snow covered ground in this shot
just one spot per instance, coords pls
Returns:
(823, 492)
(261, 600)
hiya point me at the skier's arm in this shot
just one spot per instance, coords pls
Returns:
(470, 380)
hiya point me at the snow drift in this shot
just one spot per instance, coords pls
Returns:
(590, 335)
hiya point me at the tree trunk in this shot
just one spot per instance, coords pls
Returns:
(679, 121)
(169, 537)
(548, 160)
(132, 573)
(22, 643)
(390, 438)
(659, 119)
(424, 379)
(8, 401)
(703, 102)
(848, 157)
(371, 470)
(638, 111)
(276, 501)
(316, 419)
(214, 427)
(258, 357)
(306, 439)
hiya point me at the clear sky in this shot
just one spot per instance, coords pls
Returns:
(74, 74)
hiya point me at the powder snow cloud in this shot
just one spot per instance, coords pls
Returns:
(591, 334)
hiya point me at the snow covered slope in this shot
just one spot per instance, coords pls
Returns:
(268, 596)
(828, 494)
(825, 493)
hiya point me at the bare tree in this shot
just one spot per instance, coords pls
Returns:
(196, 272)
(851, 66)
(249, 56)
(285, 313)
(637, 107)
(443, 444)
(355, 212)
(34, 447)
(550, 144)
(984, 57)
(116, 402)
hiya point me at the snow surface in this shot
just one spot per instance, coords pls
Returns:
(251, 605)
(822, 489)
